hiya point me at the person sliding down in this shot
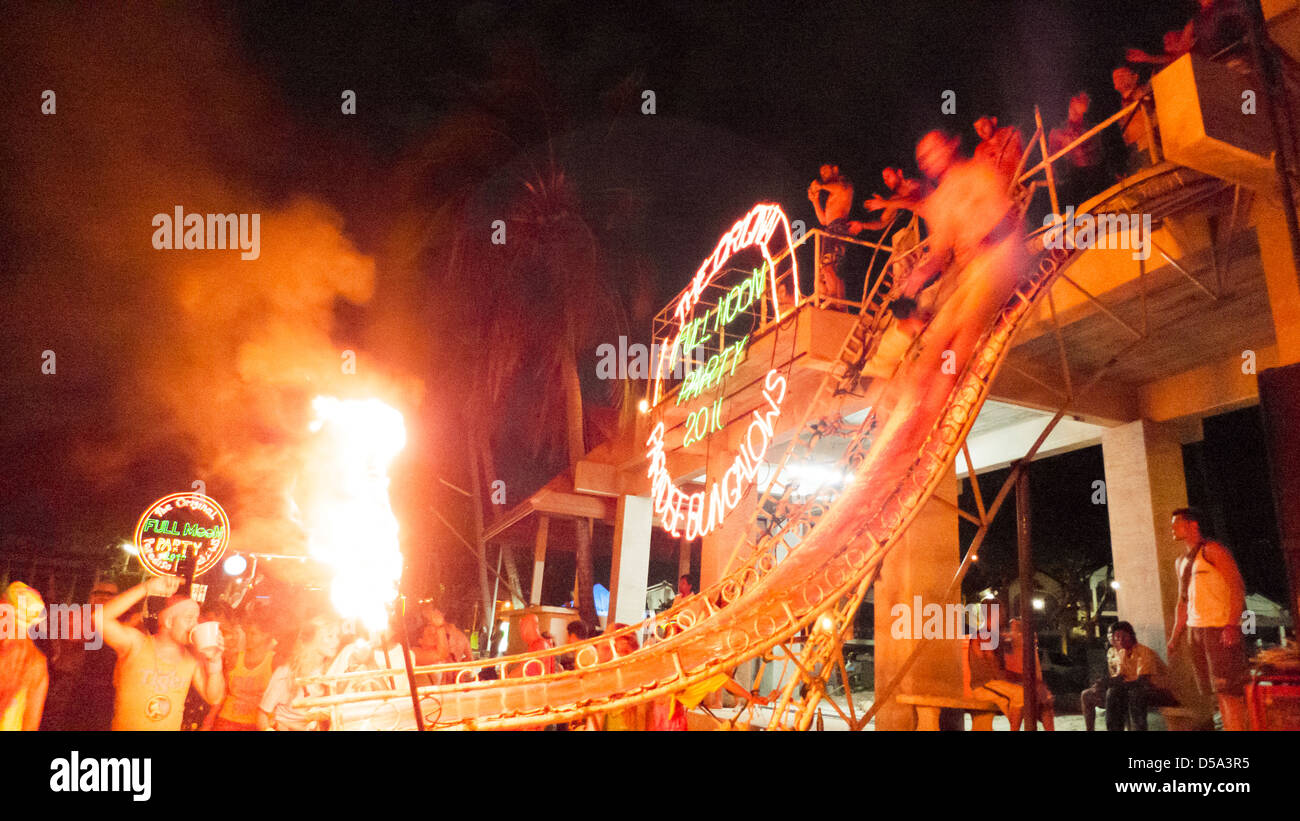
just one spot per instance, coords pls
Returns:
(976, 260)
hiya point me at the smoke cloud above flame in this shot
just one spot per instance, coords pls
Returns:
(174, 365)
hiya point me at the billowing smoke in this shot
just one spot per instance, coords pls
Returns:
(171, 365)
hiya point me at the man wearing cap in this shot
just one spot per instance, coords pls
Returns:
(154, 673)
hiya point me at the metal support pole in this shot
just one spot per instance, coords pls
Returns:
(1051, 176)
(1028, 656)
(406, 659)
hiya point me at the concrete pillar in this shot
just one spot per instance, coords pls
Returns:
(539, 559)
(1144, 485)
(631, 562)
(1280, 277)
(922, 564)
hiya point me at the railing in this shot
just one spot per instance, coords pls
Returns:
(761, 319)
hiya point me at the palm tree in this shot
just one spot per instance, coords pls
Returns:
(547, 303)
(529, 307)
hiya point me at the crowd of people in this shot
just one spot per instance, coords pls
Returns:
(1217, 31)
(184, 666)
(244, 673)
(213, 667)
(1207, 626)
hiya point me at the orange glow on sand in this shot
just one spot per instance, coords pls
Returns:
(349, 520)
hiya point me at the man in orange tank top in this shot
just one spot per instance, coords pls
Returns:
(154, 673)
(1211, 598)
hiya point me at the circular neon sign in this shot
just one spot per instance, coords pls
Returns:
(180, 524)
(699, 321)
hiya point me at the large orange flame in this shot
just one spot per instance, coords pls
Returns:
(350, 522)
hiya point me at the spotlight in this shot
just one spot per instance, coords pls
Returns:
(235, 565)
(130, 548)
(1039, 604)
(644, 406)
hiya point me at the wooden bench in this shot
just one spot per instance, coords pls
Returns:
(927, 710)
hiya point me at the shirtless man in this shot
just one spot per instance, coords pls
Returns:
(154, 673)
(904, 194)
(1211, 598)
(834, 217)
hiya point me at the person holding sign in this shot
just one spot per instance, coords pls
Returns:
(154, 673)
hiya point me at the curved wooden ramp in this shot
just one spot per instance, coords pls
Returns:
(764, 602)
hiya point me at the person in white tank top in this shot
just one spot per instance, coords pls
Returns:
(1211, 598)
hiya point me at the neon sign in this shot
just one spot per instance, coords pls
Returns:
(704, 510)
(754, 230)
(179, 524)
(699, 513)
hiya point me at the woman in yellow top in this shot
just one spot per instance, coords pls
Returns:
(24, 677)
(249, 675)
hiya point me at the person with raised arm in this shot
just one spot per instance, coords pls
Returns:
(154, 672)
(834, 217)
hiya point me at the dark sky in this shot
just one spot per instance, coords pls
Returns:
(210, 99)
(751, 97)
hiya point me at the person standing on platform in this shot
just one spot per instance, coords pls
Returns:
(1081, 171)
(834, 217)
(1001, 148)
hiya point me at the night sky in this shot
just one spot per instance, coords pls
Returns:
(244, 102)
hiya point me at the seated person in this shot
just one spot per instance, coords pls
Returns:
(1137, 680)
(986, 677)
(1095, 696)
